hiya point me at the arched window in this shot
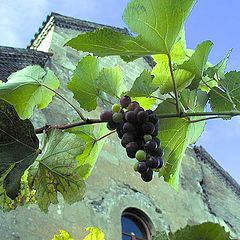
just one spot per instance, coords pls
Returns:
(135, 225)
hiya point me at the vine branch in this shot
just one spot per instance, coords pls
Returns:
(169, 115)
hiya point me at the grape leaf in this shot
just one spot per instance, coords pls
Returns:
(111, 81)
(88, 82)
(18, 147)
(64, 235)
(163, 79)
(142, 86)
(28, 88)
(219, 69)
(58, 170)
(177, 133)
(227, 96)
(197, 62)
(84, 82)
(158, 24)
(95, 234)
(145, 102)
(206, 231)
(93, 148)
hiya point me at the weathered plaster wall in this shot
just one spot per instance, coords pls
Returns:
(114, 186)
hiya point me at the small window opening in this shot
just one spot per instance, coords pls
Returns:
(135, 225)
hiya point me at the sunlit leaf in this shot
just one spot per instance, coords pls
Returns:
(64, 235)
(28, 88)
(95, 234)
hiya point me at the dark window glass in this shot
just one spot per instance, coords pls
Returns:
(134, 225)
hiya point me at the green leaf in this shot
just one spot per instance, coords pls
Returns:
(163, 79)
(18, 147)
(206, 231)
(28, 88)
(84, 82)
(153, 19)
(227, 96)
(219, 69)
(64, 235)
(111, 81)
(58, 170)
(142, 86)
(93, 148)
(150, 19)
(197, 62)
(177, 133)
(95, 234)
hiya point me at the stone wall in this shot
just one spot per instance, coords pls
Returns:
(114, 186)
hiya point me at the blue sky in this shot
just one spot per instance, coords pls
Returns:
(214, 20)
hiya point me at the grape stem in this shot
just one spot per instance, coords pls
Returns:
(174, 83)
(106, 135)
(67, 101)
(203, 119)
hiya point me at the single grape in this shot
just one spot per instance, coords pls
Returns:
(142, 116)
(127, 138)
(120, 131)
(155, 133)
(106, 116)
(140, 155)
(156, 139)
(150, 146)
(133, 105)
(157, 152)
(111, 125)
(131, 116)
(131, 149)
(142, 167)
(147, 176)
(129, 127)
(135, 167)
(125, 101)
(117, 117)
(152, 162)
(160, 162)
(116, 108)
(147, 137)
(148, 128)
(153, 119)
(149, 111)
(138, 109)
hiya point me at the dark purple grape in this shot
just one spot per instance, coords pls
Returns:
(157, 152)
(131, 149)
(129, 127)
(149, 111)
(160, 162)
(148, 128)
(147, 176)
(153, 119)
(152, 162)
(106, 116)
(142, 117)
(127, 138)
(125, 101)
(138, 109)
(142, 167)
(112, 125)
(156, 131)
(120, 131)
(150, 146)
(133, 105)
(156, 139)
(131, 116)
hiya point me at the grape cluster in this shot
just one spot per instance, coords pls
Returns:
(138, 130)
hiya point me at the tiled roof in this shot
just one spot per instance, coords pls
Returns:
(14, 59)
(204, 156)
